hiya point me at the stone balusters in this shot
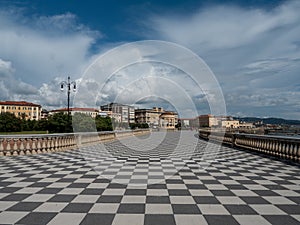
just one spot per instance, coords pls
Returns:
(45, 143)
(286, 148)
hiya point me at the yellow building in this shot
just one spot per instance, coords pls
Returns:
(149, 116)
(230, 124)
(168, 120)
(22, 109)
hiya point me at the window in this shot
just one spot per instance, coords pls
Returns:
(2, 107)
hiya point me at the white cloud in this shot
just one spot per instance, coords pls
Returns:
(253, 52)
(42, 48)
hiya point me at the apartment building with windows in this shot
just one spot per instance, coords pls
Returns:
(125, 113)
(22, 109)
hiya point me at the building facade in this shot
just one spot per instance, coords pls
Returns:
(157, 117)
(188, 123)
(233, 124)
(22, 109)
(87, 111)
(168, 120)
(149, 116)
(208, 121)
(126, 112)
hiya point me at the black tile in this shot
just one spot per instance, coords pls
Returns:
(206, 200)
(15, 197)
(222, 193)
(78, 185)
(275, 187)
(281, 219)
(295, 199)
(24, 206)
(56, 175)
(210, 182)
(284, 182)
(159, 220)
(185, 209)
(110, 199)
(92, 191)
(290, 209)
(138, 181)
(62, 198)
(157, 199)
(131, 208)
(31, 180)
(179, 192)
(92, 219)
(40, 184)
(49, 190)
(118, 186)
(196, 186)
(8, 189)
(246, 182)
(265, 193)
(135, 192)
(157, 186)
(173, 181)
(37, 218)
(78, 207)
(67, 180)
(254, 200)
(240, 210)
(235, 187)
(189, 178)
(220, 219)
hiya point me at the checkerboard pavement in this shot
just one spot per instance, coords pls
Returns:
(112, 183)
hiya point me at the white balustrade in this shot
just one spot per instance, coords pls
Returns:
(281, 147)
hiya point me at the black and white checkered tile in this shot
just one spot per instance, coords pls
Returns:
(116, 184)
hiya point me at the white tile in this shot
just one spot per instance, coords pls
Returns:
(128, 219)
(158, 209)
(11, 217)
(213, 209)
(190, 220)
(104, 208)
(251, 220)
(67, 219)
(267, 209)
(51, 207)
(85, 198)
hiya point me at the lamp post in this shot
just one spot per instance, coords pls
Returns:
(70, 85)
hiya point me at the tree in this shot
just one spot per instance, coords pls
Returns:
(139, 125)
(59, 123)
(9, 123)
(83, 123)
(103, 123)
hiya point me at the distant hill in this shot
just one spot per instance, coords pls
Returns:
(269, 120)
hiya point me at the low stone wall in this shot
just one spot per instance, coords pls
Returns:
(43, 143)
(281, 147)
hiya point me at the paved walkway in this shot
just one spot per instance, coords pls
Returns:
(138, 181)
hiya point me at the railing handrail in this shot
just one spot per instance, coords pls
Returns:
(282, 147)
(42, 143)
(65, 134)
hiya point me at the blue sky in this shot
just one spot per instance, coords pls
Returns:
(251, 46)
